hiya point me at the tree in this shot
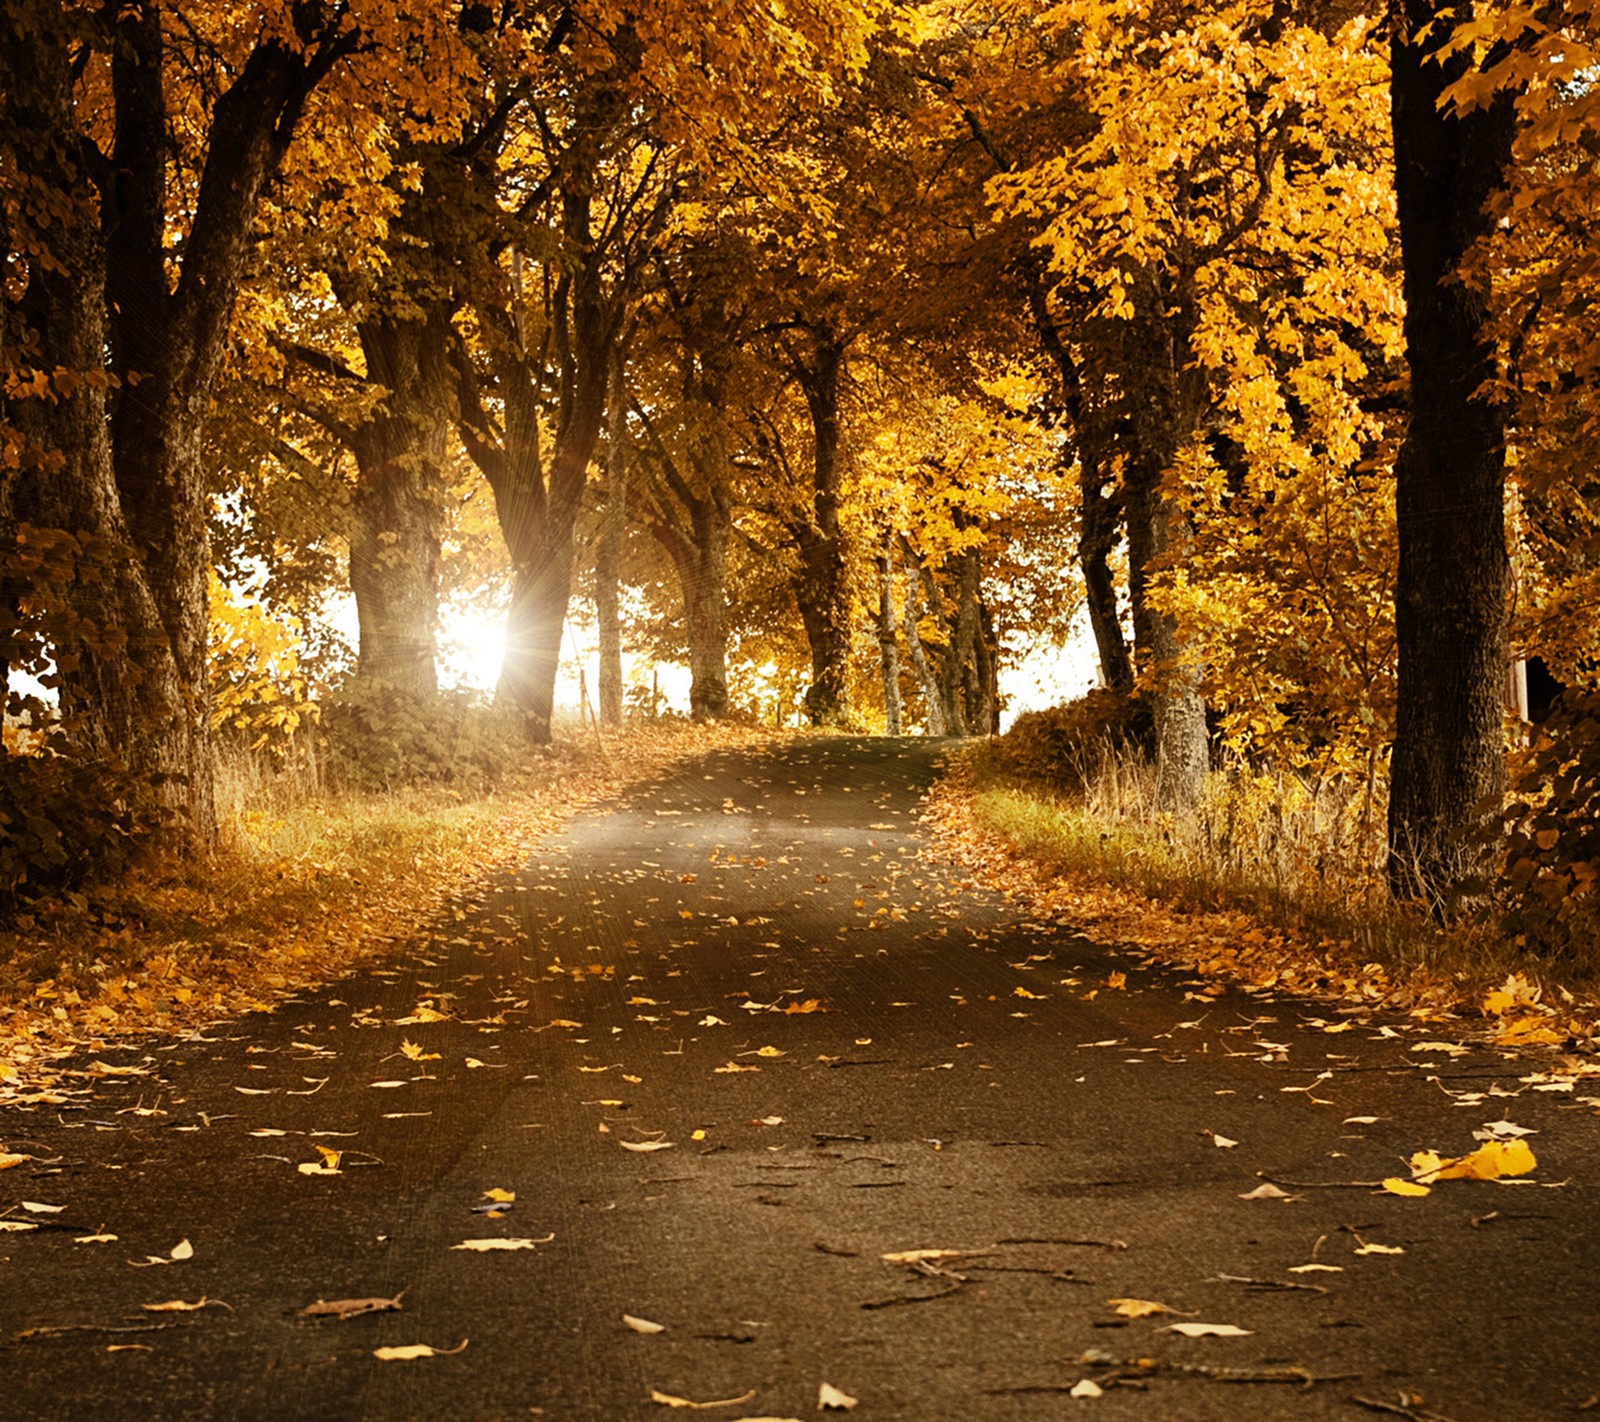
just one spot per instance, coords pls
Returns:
(1453, 577)
(129, 245)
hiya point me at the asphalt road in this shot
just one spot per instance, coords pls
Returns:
(730, 1044)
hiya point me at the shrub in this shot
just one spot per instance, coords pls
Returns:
(1063, 748)
(1551, 878)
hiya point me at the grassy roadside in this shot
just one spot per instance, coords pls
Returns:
(304, 887)
(1239, 913)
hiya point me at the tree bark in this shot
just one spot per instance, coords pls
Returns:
(933, 695)
(165, 345)
(608, 554)
(1451, 595)
(397, 518)
(820, 587)
(1166, 398)
(888, 647)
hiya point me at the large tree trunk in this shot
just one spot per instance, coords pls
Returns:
(165, 345)
(397, 520)
(1451, 589)
(820, 587)
(69, 549)
(608, 554)
(705, 601)
(1166, 397)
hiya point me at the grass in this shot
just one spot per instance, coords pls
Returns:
(306, 882)
(1283, 875)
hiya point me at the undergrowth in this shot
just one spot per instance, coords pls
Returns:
(309, 878)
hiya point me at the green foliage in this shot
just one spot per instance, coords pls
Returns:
(1551, 878)
(1065, 747)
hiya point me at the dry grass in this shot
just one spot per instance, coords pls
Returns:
(1284, 867)
(305, 884)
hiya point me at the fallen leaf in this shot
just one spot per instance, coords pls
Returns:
(830, 1398)
(921, 1256)
(1491, 1161)
(1139, 1308)
(811, 1004)
(417, 1350)
(732, 1067)
(1452, 1049)
(666, 1399)
(1380, 1249)
(180, 1306)
(416, 1054)
(35, 1207)
(643, 1325)
(386, 1085)
(1220, 1141)
(1316, 1269)
(1268, 1191)
(473, 1063)
(10, 1159)
(1086, 1387)
(350, 1308)
(488, 1246)
(1207, 1330)
(95, 1239)
(712, 1020)
(645, 1145)
(1396, 1185)
(769, 1052)
(769, 1120)
(18, 1226)
(499, 1196)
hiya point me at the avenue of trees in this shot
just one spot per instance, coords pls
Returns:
(833, 349)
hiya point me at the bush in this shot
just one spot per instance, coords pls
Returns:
(1063, 748)
(1551, 878)
(65, 823)
(381, 740)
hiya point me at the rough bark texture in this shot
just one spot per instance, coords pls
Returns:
(397, 518)
(1451, 589)
(122, 701)
(165, 346)
(608, 554)
(1166, 400)
(820, 586)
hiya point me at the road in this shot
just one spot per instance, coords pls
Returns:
(730, 1043)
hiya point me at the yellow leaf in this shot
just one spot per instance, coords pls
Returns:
(769, 1052)
(493, 1246)
(811, 1004)
(416, 1350)
(416, 1054)
(1397, 1185)
(499, 1196)
(1138, 1308)
(666, 1399)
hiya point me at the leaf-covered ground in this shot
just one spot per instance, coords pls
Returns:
(284, 905)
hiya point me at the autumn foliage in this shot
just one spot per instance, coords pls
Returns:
(841, 355)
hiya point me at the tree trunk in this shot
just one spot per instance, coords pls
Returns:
(398, 512)
(820, 588)
(932, 693)
(608, 555)
(69, 549)
(705, 600)
(1165, 401)
(1101, 514)
(1101, 510)
(1448, 764)
(888, 647)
